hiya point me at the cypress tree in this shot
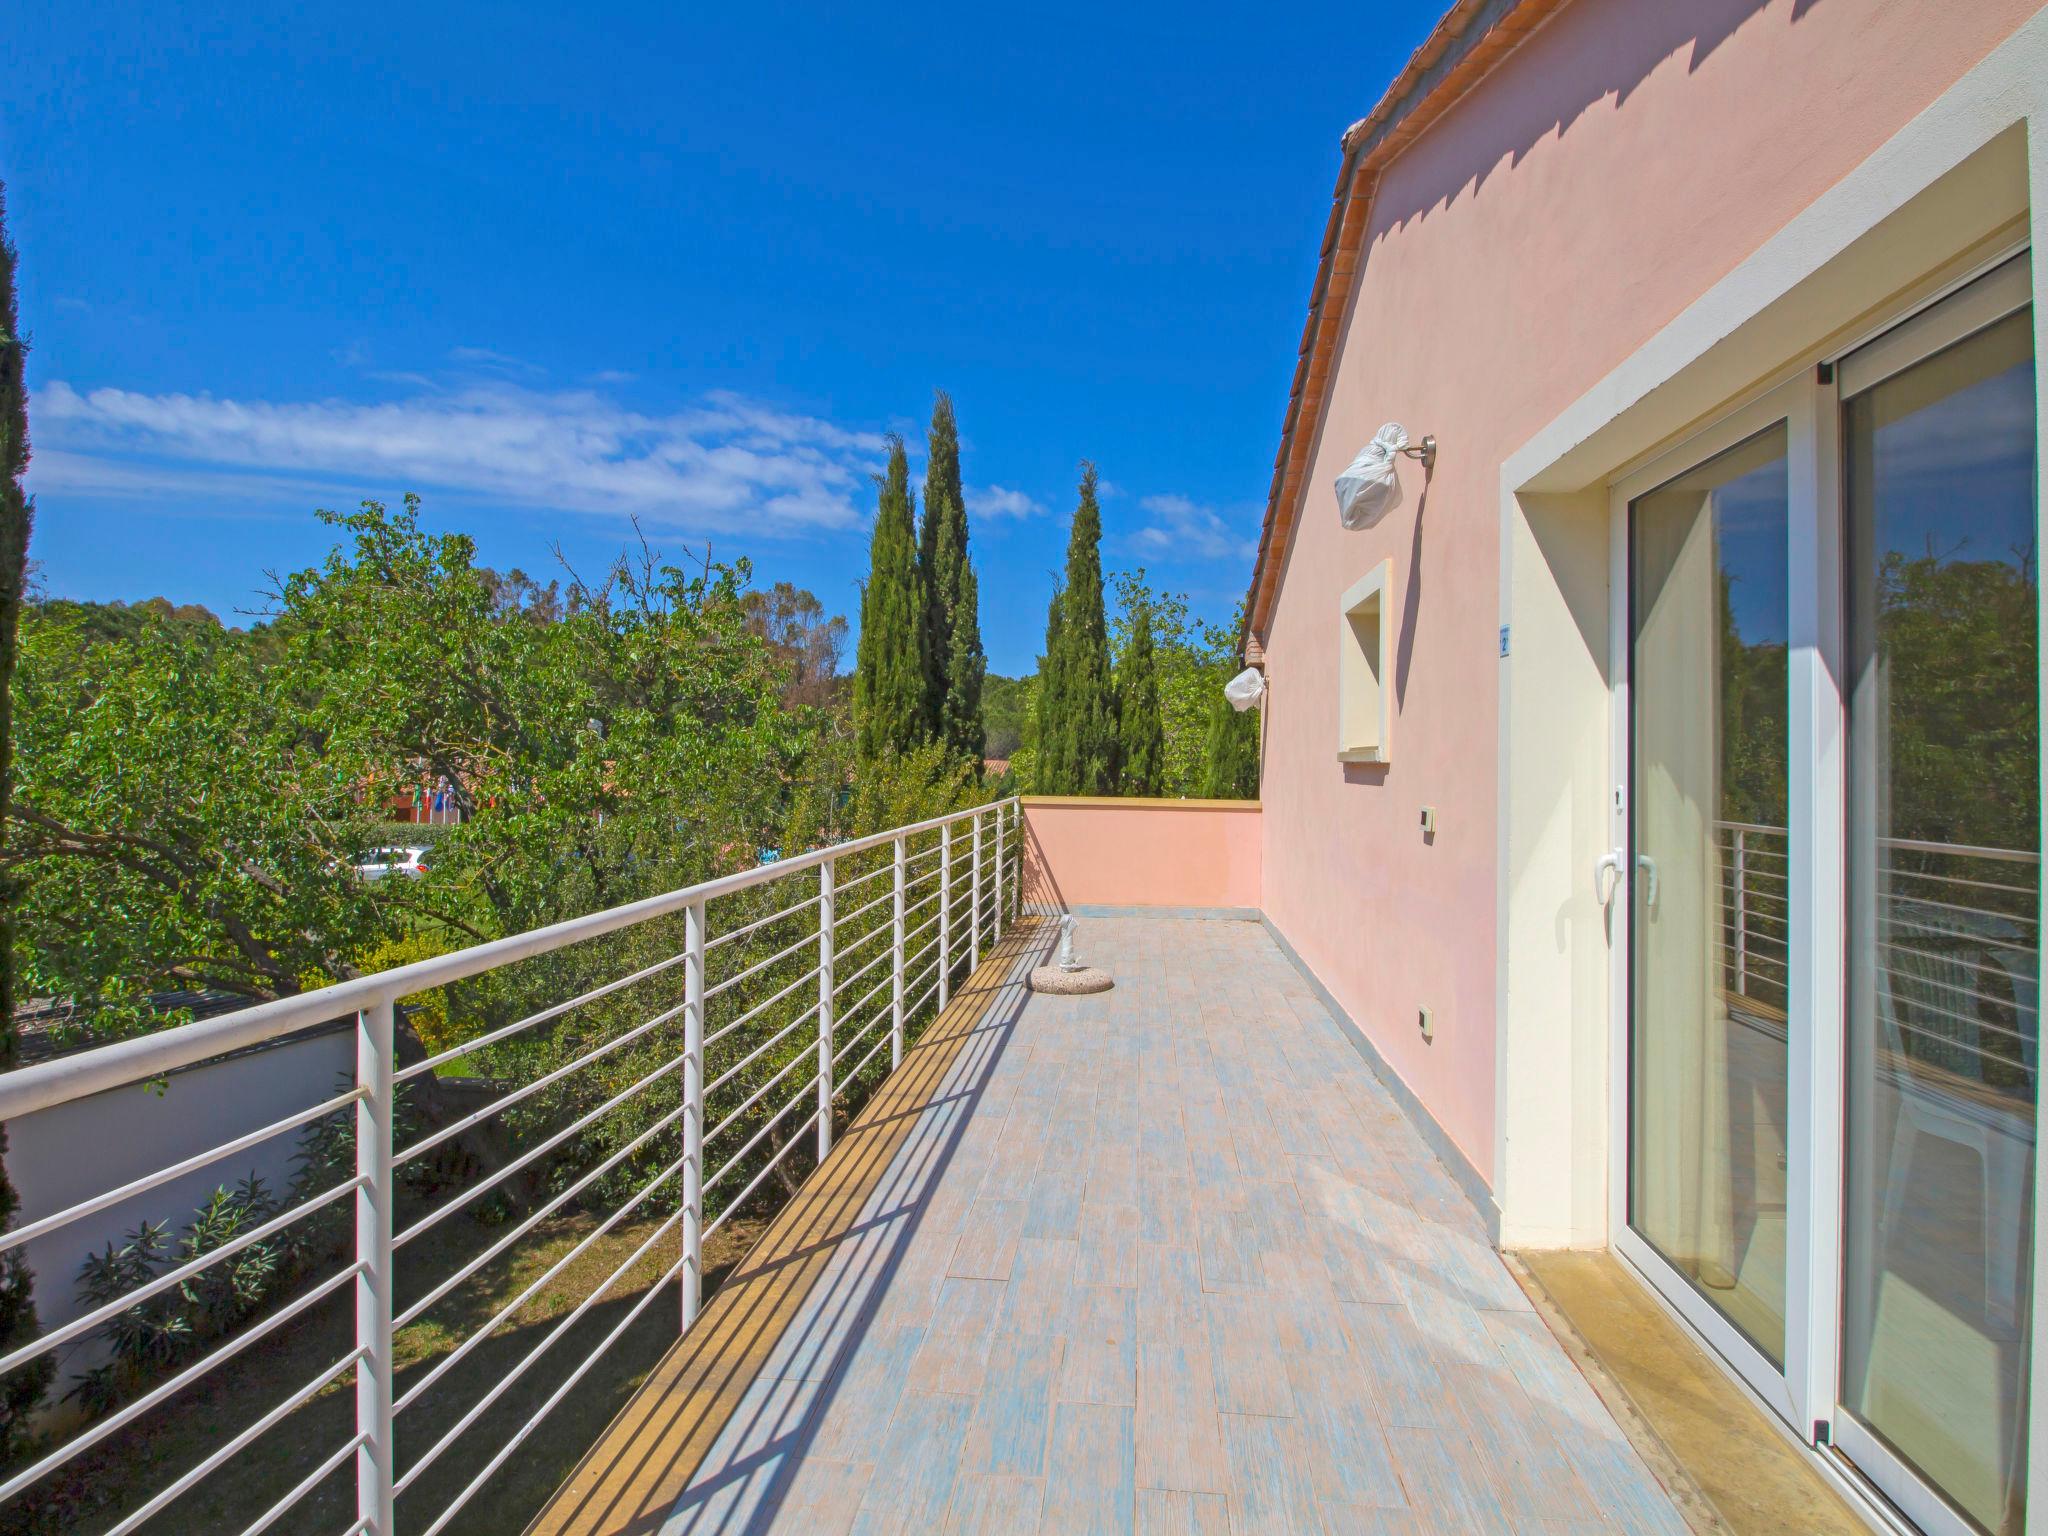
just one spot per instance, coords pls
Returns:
(1077, 750)
(1048, 698)
(1140, 725)
(1230, 768)
(952, 595)
(891, 698)
(23, 1388)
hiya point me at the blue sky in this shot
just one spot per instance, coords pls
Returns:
(557, 267)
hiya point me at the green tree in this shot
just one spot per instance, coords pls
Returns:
(1140, 729)
(952, 598)
(1231, 767)
(892, 666)
(1077, 707)
(23, 1389)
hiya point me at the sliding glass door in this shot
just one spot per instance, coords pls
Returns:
(1707, 1134)
(1944, 864)
(1827, 899)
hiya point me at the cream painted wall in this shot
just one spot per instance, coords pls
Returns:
(1626, 159)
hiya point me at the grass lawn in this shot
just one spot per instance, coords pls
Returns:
(131, 1466)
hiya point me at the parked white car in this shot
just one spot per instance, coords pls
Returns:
(379, 862)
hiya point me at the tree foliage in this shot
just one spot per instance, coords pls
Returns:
(1140, 729)
(892, 668)
(1231, 763)
(1076, 748)
(22, 1389)
(958, 664)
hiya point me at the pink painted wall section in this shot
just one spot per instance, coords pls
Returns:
(1141, 853)
(1626, 157)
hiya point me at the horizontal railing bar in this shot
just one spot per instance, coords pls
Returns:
(1950, 1040)
(1956, 960)
(504, 1383)
(865, 998)
(170, 1277)
(1749, 826)
(1895, 923)
(1918, 902)
(149, 1181)
(1892, 872)
(65, 1078)
(306, 1485)
(844, 918)
(760, 965)
(854, 1037)
(246, 1438)
(447, 1362)
(553, 1012)
(921, 929)
(859, 880)
(796, 1139)
(840, 986)
(554, 1204)
(521, 1094)
(731, 1116)
(1971, 1020)
(810, 1087)
(760, 922)
(1959, 850)
(748, 1060)
(173, 1385)
(759, 1008)
(555, 1139)
(862, 1065)
(841, 950)
(659, 1288)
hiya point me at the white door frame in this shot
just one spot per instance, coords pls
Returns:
(1806, 1394)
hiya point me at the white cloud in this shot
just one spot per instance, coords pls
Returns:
(726, 463)
(1181, 529)
(995, 501)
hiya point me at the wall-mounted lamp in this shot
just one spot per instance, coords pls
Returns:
(1370, 488)
(1426, 452)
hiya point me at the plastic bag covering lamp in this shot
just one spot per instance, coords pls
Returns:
(1245, 689)
(1370, 487)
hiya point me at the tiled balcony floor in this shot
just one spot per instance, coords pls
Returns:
(1167, 1259)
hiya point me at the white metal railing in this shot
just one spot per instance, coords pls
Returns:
(873, 946)
(1954, 954)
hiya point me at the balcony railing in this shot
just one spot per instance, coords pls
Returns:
(743, 1015)
(1955, 952)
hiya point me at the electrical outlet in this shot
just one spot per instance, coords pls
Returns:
(1426, 1022)
(1429, 821)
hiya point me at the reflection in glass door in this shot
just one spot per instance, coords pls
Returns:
(1943, 906)
(1709, 910)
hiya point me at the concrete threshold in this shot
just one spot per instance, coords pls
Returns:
(1727, 1466)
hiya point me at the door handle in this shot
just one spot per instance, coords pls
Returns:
(1648, 866)
(1606, 875)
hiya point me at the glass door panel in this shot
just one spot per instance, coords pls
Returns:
(1943, 874)
(1708, 881)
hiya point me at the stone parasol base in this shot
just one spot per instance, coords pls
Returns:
(1050, 978)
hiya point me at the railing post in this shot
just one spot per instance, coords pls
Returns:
(693, 1111)
(945, 915)
(825, 921)
(376, 1465)
(1741, 916)
(997, 933)
(974, 907)
(896, 964)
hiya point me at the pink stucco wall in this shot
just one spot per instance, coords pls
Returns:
(1141, 853)
(1620, 162)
